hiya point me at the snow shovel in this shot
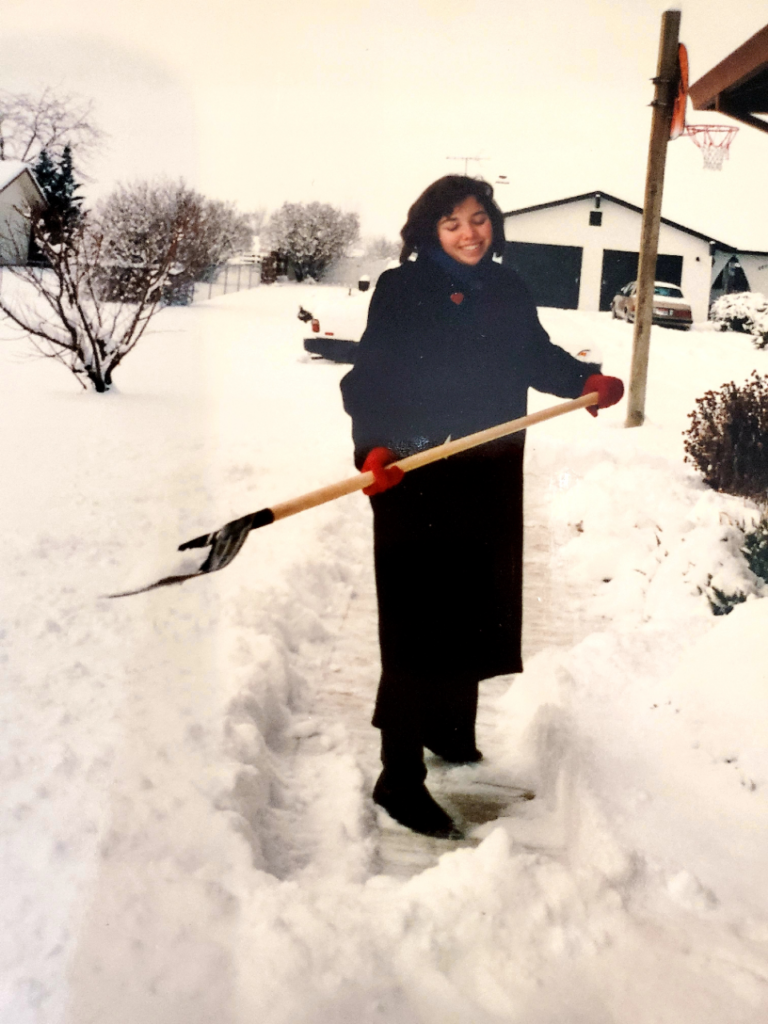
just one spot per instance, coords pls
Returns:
(227, 541)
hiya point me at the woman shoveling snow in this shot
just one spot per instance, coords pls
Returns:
(453, 343)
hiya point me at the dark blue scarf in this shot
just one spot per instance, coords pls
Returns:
(469, 277)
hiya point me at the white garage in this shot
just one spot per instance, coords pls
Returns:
(577, 253)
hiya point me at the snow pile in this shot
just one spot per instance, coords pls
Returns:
(651, 540)
(188, 834)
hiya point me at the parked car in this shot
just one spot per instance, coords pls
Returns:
(337, 320)
(670, 308)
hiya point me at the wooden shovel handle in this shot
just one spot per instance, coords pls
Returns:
(441, 451)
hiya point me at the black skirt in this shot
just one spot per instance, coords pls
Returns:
(448, 545)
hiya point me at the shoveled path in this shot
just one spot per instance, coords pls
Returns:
(345, 690)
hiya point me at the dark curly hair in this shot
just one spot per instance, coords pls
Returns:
(439, 200)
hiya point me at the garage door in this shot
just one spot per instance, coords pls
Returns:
(620, 267)
(552, 272)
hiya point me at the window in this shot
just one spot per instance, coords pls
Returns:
(595, 218)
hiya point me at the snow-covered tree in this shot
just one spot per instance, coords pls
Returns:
(106, 272)
(222, 232)
(257, 219)
(49, 121)
(311, 236)
(139, 221)
(382, 248)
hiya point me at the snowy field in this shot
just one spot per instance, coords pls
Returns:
(187, 834)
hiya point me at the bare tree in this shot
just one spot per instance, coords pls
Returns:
(49, 121)
(62, 307)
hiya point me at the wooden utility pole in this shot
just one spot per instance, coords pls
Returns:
(663, 102)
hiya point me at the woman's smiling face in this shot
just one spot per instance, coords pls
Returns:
(466, 233)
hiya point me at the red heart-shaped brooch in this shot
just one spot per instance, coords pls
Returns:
(457, 297)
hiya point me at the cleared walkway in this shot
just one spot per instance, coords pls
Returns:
(345, 690)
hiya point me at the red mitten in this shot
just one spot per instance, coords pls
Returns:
(375, 462)
(609, 389)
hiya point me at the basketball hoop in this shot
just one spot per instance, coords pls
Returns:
(714, 141)
(677, 124)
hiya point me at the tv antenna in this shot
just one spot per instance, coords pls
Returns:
(466, 160)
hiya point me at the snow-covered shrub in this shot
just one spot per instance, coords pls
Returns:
(311, 236)
(61, 308)
(722, 600)
(756, 549)
(727, 440)
(723, 603)
(746, 312)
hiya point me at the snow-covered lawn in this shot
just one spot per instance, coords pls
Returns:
(187, 837)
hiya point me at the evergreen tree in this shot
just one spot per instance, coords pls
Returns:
(66, 188)
(44, 170)
(45, 173)
(58, 185)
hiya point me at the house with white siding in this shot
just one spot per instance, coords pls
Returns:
(577, 253)
(19, 195)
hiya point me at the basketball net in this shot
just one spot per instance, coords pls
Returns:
(714, 141)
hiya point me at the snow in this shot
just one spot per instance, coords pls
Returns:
(187, 834)
(341, 312)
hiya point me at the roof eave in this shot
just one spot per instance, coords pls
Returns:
(627, 206)
(735, 70)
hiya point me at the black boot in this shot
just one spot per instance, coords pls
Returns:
(400, 788)
(451, 731)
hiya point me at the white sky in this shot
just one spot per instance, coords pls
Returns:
(360, 102)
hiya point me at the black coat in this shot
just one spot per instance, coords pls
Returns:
(444, 358)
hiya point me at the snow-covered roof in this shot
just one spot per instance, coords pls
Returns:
(619, 202)
(10, 171)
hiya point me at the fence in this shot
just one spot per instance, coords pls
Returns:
(226, 280)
